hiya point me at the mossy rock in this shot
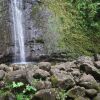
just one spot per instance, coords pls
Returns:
(54, 80)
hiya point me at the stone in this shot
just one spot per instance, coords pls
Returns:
(41, 74)
(89, 82)
(91, 92)
(48, 84)
(62, 79)
(84, 59)
(90, 69)
(54, 70)
(19, 75)
(75, 92)
(97, 57)
(45, 66)
(10, 97)
(70, 65)
(7, 96)
(82, 98)
(16, 66)
(97, 97)
(2, 74)
(97, 64)
(4, 68)
(2, 84)
(45, 94)
(65, 66)
(40, 85)
(76, 72)
(43, 85)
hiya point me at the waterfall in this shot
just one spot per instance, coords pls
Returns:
(18, 29)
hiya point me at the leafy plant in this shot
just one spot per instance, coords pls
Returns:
(62, 95)
(29, 89)
(21, 96)
(25, 93)
(17, 85)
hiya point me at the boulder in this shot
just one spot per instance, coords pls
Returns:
(19, 75)
(84, 59)
(89, 82)
(62, 79)
(97, 97)
(90, 69)
(45, 66)
(91, 92)
(41, 74)
(82, 98)
(76, 92)
(97, 64)
(70, 65)
(2, 74)
(19, 66)
(76, 72)
(65, 66)
(43, 85)
(4, 68)
(46, 94)
(54, 70)
(2, 84)
(7, 96)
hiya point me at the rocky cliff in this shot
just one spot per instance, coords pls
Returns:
(4, 27)
(39, 36)
(50, 26)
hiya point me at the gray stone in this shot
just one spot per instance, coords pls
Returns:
(2, 74)
(62, 79)
(65, 66)
(97, 97)
(45, 66)
(77, 91)
(89, 82)
(84, 59)
(90, 69)
(46, 94)
(82, 98)
(41, 74)
(97, 64)
(91, 92)
(7, 96)
(43, 85)
(5, 68)
(19, 75)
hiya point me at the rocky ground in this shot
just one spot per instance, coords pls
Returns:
(75, 80)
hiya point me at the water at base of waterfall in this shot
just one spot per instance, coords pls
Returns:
(18, 30)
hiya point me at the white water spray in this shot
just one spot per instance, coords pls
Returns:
(18, 29)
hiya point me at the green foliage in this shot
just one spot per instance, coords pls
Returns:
(21, 96)
(19, 89)
(17, 85)
(88, 10)
(29, 89)
(72, 27)
(54, 80)
(62, 95)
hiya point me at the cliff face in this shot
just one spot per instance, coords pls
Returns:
(4, 27)
(39, 37)
(41, 28)
(50, 26)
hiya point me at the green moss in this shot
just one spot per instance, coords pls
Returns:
(54, 80)
(64, 29)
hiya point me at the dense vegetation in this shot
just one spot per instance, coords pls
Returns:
(77, 22)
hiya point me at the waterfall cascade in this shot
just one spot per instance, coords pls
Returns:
(18, 29)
